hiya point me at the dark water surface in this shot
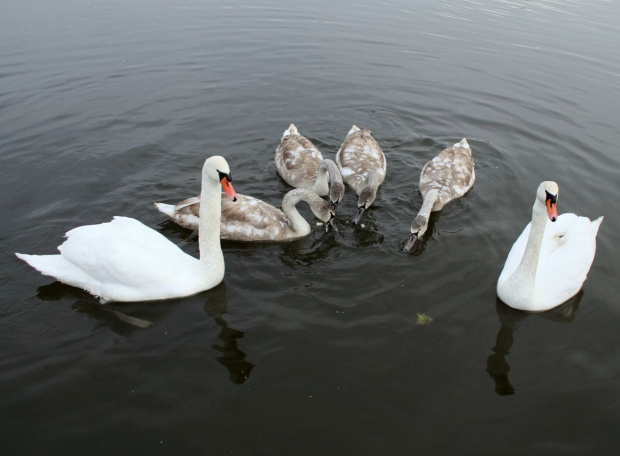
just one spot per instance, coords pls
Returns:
(311, 347)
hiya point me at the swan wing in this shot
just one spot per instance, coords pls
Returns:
(124, 255)
(359, 154)
(451, 172)
(566, 255)
(250, 219)
(186, 213)
(190, 204)
(297, 161)
(247, 219)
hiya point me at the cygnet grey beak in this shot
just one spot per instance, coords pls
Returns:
(331, 223)
(358, 216)
(410, 242)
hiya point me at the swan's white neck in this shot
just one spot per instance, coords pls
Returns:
(209, 225)
(522, 282)
(289, 202)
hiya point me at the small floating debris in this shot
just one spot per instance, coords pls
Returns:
(424, 319)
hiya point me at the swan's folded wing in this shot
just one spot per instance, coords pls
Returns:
(361, 152)
(298, 153)
(566, 257)
(124, 252)
(250, 219)
(192, 204)
(297, 161)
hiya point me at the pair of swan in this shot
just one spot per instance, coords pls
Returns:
(123, 260)
(359, 162)
(301, 165)
(550, 260)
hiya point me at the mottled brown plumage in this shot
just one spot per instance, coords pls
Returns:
(363, 167)
(250, 219)
(451, 173)
(301, 165)
(446, 177)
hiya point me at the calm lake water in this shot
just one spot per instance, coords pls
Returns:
(312, 347)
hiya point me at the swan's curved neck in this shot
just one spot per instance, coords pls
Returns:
(327, 173)
(321, 186)
(289, 203)
(209, 225)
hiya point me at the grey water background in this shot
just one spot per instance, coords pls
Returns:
(311, 347)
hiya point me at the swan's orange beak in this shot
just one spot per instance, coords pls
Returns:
(552, 210)
(228, 188)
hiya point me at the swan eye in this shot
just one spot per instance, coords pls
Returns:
(553, 198)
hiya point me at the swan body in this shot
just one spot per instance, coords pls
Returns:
(124, 260)
(302, 165)
(549, 262)
(362, 166)
(253, 220)
(446, 177)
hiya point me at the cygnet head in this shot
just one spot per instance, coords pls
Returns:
(547, 194)
(366, 198)
(418, 228)
(216, 168)
(325, 213)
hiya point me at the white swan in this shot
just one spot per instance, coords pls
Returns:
(253, 220)
(363, 166)
(549, 262)
(446, 177)
(301, 165)
(123, 260)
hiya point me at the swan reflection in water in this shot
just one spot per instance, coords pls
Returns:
(231, 357)
(123, 324)
(509, 318)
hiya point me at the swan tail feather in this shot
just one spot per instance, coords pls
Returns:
(187, 202)
(49, 265)
(291, 130)
(167, 209)
(58, 267)
(354, 128)
(596, 224)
